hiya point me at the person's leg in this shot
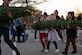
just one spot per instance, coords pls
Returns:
(8, 41)
(46, 41)
(0, 38)
(57, 50)
(23, 35)
(67, 46)
(48, 45)
(19, 33)
(58, 31)
(55, 44)
(13, 38)
(42, 42)
(74, 45)
(35, 34)
(0, 46)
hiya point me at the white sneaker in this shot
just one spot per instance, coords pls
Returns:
(57, 50)
(36, 39)
(65, 41)
(46, 51)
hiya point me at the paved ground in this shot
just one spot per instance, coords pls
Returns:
(33, 47)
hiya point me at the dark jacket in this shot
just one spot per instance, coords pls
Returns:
(57, 17)
(71, 33)
(4, 22)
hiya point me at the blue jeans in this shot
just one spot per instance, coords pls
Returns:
(35, 34)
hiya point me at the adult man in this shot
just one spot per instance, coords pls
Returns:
(71, 36)
(4, 27)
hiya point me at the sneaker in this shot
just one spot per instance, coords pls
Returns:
(42, 50)
(46, 51)
(57, 50)
(65, 41)
(73, 52)
(65, 53)
(36, 39)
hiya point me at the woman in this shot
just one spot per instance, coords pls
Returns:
(52, 35)
(43, 35)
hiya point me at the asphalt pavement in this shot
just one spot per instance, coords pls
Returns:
(33, 47)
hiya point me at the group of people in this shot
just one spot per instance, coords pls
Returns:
(46, 36)
(52, 35)
(17, 28)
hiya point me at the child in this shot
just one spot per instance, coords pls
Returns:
(13, 31)
(52, 36)
(43, 36)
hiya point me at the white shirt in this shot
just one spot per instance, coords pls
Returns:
(43, 31)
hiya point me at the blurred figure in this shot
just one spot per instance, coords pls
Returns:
(62, 17)
(79, 34)
(71, 36)
(67, 18)
(58, 18)
(13, 30)
(43, 35)
(79, 17)
(19, 27)
(52, 36)
(4, 27)
(35, 32)
(62, 29)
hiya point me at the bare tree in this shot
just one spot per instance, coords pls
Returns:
(28, 2)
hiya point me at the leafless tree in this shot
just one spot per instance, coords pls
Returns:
(28, 2)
